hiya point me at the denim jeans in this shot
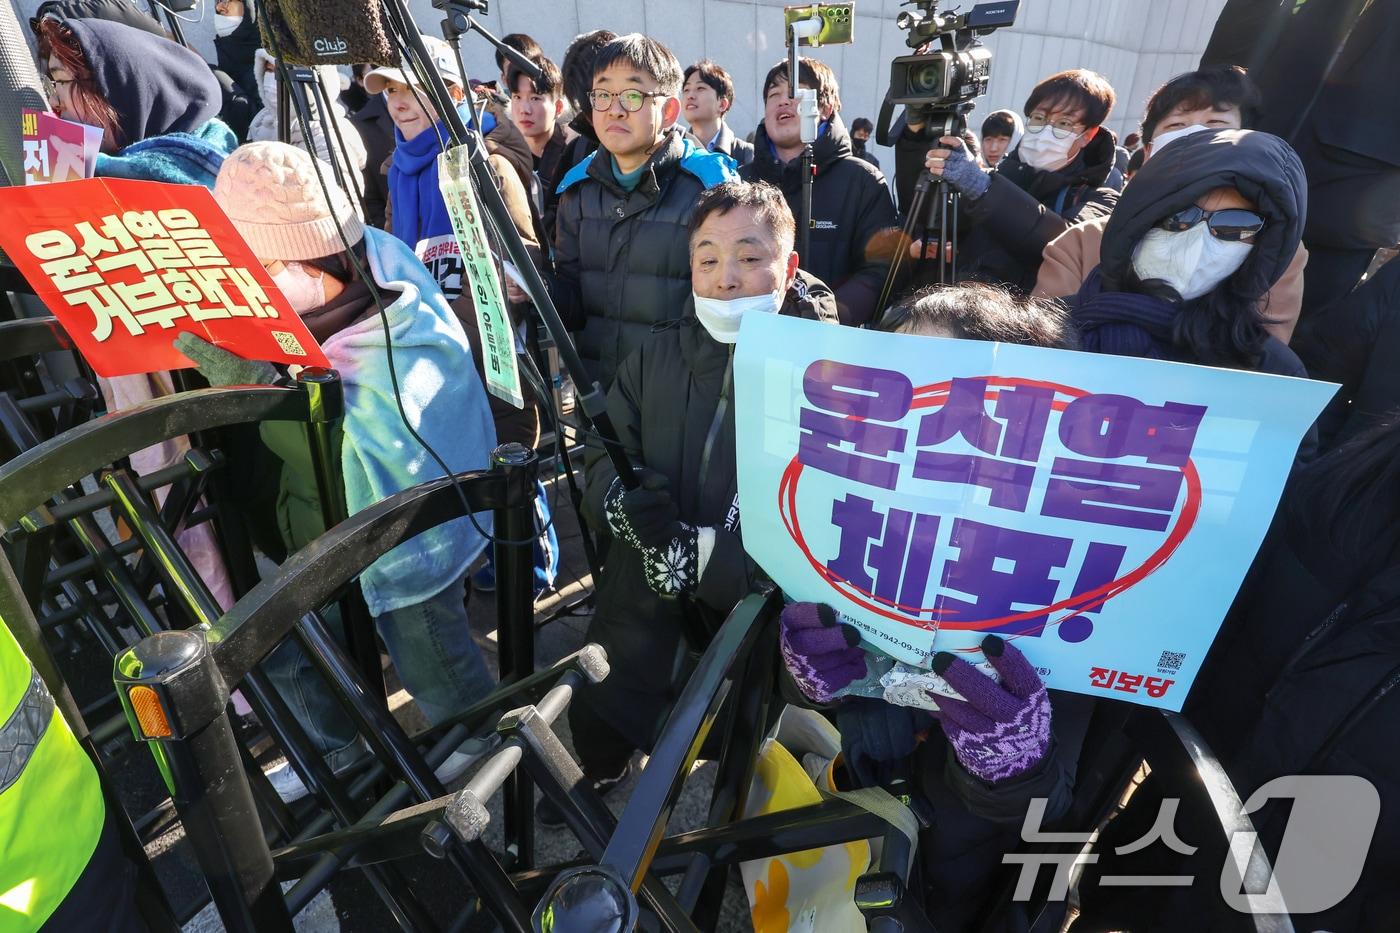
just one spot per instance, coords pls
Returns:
(432, 649)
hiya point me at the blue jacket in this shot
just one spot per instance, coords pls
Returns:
(443, 398)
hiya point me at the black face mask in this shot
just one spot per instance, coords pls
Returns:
(857, 144)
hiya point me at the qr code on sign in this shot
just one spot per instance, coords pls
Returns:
(290, 344)
(1170, 661)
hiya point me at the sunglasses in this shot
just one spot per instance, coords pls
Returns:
(1233, 224)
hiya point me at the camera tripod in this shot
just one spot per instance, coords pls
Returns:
(934, 199)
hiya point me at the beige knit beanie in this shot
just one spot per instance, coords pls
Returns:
(271, 193)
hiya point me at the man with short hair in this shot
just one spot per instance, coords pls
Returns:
(1056, 177)
(535, 108)
(620, 258)
(851, 203)
(678, 534)
(861, 131)
(707, 94)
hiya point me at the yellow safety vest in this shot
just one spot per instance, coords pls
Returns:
(51, 806)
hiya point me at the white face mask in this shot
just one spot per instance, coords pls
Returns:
(1191, 261)
(225, 25)
(721, 318)
(1159, 141)
(303, 291)
(1042, 149)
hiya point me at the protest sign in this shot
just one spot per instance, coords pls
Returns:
(57, 150)
(126, 266)
(496, 334)
(1101, 511)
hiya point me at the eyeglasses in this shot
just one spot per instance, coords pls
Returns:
(1232, 224)
(53, 85)
(1062, 127)
(631, 100)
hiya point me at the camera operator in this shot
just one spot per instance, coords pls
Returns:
(1055, 178)
(850, 201)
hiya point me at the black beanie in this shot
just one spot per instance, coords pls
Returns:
(155, 85)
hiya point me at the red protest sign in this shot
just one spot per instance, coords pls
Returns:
(127, 265)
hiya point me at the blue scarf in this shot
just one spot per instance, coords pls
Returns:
(418, 209)
(177, 158)
(1122, 323)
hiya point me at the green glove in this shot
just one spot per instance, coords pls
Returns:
(221, 367)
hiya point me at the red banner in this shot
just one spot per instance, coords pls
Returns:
(126, 266)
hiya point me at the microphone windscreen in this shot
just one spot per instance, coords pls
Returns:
(328, 32)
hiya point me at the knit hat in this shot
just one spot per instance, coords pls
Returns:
(271, 193)
(439, 53)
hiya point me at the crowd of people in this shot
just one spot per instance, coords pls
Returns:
(657, 226)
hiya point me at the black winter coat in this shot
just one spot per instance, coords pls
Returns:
(1004, 232)
(734, 147)
(1355, 341)
(622, 259)
(376, 129)
(850, 203)
(670, 397)
(1300, 681)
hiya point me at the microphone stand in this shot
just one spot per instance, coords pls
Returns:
(459, 21)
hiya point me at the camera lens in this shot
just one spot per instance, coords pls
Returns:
(926, 78)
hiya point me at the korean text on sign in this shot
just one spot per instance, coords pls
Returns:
(936, 491)
(126, 266)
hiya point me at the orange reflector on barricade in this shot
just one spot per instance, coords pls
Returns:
(149, 713)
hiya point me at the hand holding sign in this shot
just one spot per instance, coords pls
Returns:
(1099, 511)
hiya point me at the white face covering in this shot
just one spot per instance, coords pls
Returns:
(1191, 261)
(303, 291)
(1159, 141)
(225, 25)
(721, 318)
(1042, 149)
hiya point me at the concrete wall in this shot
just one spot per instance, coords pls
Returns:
(1137, 44)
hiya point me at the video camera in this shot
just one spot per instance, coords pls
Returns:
(950, 78)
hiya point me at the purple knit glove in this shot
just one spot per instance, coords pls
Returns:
(1002, 730)
(821, 655)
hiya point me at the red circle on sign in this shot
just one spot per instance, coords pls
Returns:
(925, 397)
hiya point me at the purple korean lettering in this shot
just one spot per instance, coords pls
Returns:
(1009, 483)
(871, 541)
(855, 399)
(1112, 494)
(1000, 568)
(1107, 427)
(964, 414)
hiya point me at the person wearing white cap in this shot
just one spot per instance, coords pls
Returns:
(418, 215)
(298, 230)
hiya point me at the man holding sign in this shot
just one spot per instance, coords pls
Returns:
(677, 550)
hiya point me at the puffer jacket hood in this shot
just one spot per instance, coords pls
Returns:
(1260, 166)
